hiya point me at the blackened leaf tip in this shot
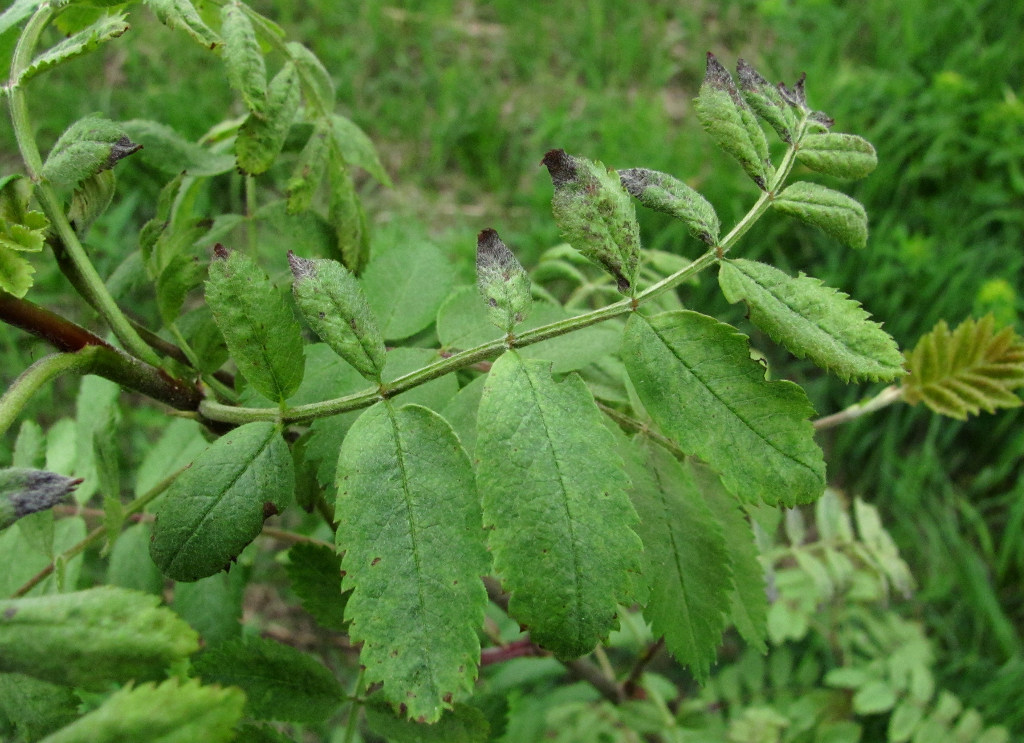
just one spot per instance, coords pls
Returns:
(560, 166)
(301, 267)
(220, 252)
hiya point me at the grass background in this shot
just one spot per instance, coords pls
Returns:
(464, 98)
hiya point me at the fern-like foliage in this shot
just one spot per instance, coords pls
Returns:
(961, 372)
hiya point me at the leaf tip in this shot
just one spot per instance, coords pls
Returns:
(560, 167)
(220, 252)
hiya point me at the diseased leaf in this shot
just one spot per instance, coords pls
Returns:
(727, 118)
(502, 281)
(664, 193)
(261, 332)
(332, 303)
(261, 136)
(697, 381)
(834, 213)
(839, 155)
(103, 30)
(461, 724)
(183, 14)
(317, 84)
(89, 146)
(315, 575)
(167, 151)
(90, 638)
(688, 563)
(356, 148)
(280, 682)
(26, 491)
(410, 528)
(405, 285)
(766, 100)
(962, 372)
(554, 495)
(247, 72)
(176, 711)
(218, 505)
(812, 320)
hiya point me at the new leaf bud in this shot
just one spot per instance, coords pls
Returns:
(24, 491)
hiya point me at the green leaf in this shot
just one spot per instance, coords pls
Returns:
(262, 135)
(90, 638)
(21, 230)
(461, 724)
(315, 575)
(688, 563)
(181, 274)
(247, 72)
(554, 495)
(261, 332)
(89, 146)
(317, 84)
(502, 281)
(696, 379)
(105, 29)
(595, 215)
(408, 522)
(840, 155)
(183, 14)
(18, 11)
(280, 682)
(176, 711)
(729, 121)
(35, 707)
(24, 491)
(309, 171)
(664, 193)
(813, 321)
(212, 606)
(874, 698)
(405, 285)
(356, 148)
(67, 532)
(766, 101)
(218, 505)
(170, 153)
(748, 599)
(967, 370)
(15, 273)
(333, 304)
(91, 199)
(346, 215)
(130, 565)
(834, 213)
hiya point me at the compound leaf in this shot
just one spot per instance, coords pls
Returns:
(280, 682)
(218, 505)
(812, 320)
(176, 711)
(832, 212)
(183, 14)
(260, 330)
(967, 370)
(840, 155)
(410, 526)
(554, 493)
(105, 29)
(90, 638)
(691, 582)
(695, 377)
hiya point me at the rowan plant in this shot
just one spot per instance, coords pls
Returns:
(454, 475)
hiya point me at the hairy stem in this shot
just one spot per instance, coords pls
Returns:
(30, 380)
(892, 393)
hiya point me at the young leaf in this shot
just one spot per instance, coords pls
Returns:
(502, 281)
(695, 377)
(554, 495)
(315, 575)
(595, 214)
(261, 332)
(812, 320)
(176, 711)
(962, 372)
(332, 302)
(247, 72)
(729, 121)
(105, 29)
(89, 146)
(766, 101)
(664, 193)
(691, 582)
(170, 153)
(183, 14)
(90, 638)
(840, 155)
(261, 136)
(280, 682)
(830, 211)
(24, 491)
(409, 523)
(218, 505)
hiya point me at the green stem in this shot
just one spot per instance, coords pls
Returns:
(353, 712)
(41, 372)
(99, 532)
(88, 281)
(892, 393)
